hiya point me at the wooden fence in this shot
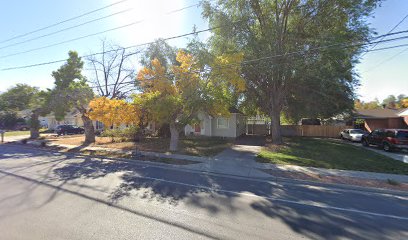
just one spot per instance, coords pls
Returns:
(313, 130)
(257, 129)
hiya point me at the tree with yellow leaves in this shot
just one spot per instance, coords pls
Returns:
(175, 93)
(113, 112)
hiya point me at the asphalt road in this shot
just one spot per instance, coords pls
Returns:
(55, 196)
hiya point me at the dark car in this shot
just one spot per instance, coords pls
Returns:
(21, 127)
(387, 139)
(68, 129)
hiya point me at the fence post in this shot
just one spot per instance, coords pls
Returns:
(2, 135)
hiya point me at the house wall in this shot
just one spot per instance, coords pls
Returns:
(372, 124)
(225, 132)
(53, 123)
(205, 126)
(236, 123)
(406, 120)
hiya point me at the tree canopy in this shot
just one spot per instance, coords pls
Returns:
(71, 91)
(287, 65)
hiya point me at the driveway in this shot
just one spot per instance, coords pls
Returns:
(397, 155)
(239, 159)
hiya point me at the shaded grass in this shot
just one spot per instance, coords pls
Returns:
(195, 146)
(110, 154)
(325, 153)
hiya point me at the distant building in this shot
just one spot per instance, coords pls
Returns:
(381, 118)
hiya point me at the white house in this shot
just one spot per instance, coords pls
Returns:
(217, 126)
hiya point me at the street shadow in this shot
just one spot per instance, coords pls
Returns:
(319, 223)
(214, 194)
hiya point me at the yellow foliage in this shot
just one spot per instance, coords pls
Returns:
(113, 111)
(155, 78)
(404, 103)
(229, 68)
(187, 74)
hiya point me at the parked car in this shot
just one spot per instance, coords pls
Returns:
(354, 135)
(387, 139)
(68, 129)
(21, 126)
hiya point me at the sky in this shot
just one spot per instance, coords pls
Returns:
(381, 73)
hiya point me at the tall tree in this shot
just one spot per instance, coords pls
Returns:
(390, 102)
(366, 105)
(113, 71)
(17, 97)
(286, 63)
(25, 97)
(72, 92)
(175, 93)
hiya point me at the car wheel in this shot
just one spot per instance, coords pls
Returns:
(387, 147)
(365, 143)
(82, 132)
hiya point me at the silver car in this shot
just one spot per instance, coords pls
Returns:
(354, 135)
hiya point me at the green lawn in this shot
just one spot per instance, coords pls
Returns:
(325, 153)
(196, 146)
(16, 133)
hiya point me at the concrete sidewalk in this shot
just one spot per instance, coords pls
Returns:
(240, 160)
(334, 172)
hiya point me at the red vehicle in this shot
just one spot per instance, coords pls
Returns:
(387, 139)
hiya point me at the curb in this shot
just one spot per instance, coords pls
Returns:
(275, 179)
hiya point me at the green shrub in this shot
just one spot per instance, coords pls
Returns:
(130, 133)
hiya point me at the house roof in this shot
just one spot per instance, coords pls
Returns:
(376, 113)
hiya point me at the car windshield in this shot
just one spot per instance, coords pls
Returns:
(356, 131)
(402, 134)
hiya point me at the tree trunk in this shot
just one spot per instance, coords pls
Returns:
(89, 129)
(34, 126)
(276, 126)
(174, 137)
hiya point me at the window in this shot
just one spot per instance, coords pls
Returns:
(357, 131)
(222, 123)
(402, 135)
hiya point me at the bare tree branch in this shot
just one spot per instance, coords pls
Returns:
(113, 71)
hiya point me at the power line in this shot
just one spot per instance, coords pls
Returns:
(94, 34)
(210, 29)
(386, 60)
(322, 47)
(65, 29)
(99, 53)
(392, 29)
(269, 57)
(64, 21)
(70, 40)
